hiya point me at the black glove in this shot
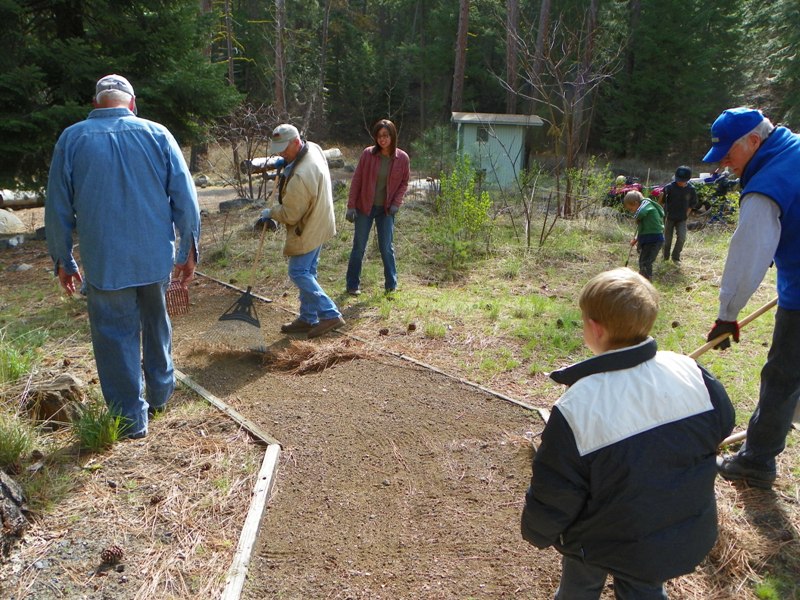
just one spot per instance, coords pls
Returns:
(270, 224)
(350, 215)
(721, 327)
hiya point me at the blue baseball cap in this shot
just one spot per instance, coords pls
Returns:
(729, 127)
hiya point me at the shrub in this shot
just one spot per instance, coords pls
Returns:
(461, 223)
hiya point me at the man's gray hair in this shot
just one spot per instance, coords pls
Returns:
(115, 95)
(763, 129)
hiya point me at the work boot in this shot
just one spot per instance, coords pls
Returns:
(324, 326)
(733, 468)
(296, 326)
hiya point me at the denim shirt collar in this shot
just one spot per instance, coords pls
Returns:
(105, 113)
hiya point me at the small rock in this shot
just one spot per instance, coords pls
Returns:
(412, 326)
(384, 331)
(560, 323)
(675, 324)
(386, 482)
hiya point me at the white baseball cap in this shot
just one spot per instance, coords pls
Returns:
(281, 136)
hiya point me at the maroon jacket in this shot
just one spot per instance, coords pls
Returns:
(362, 188)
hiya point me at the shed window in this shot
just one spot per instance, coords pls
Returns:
(483, 133)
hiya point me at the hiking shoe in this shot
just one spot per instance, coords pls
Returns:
(733, 468)
(324, 326)
(296, 326)
(355, 292)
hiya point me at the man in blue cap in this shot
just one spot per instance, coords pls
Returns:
(766, 159)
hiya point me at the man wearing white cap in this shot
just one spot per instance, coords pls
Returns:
(122, 183)
(765, 158)
(305, 208)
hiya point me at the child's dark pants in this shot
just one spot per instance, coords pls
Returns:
(647, 256)
(580, 581)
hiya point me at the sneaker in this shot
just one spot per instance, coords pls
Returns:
(733, 468)
(324, 326)
(296, 326)
(355, 292)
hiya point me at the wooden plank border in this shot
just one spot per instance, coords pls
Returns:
(237, 573)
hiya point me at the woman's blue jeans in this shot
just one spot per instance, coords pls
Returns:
(131, 333)
(384, 224)
(315, 305)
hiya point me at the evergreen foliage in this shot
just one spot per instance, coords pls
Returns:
(351, 62)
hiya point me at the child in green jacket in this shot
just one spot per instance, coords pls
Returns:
(649, 232)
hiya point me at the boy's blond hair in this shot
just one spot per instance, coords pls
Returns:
(623, 302)
(633, 197)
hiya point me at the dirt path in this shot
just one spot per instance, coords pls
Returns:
(394, 482)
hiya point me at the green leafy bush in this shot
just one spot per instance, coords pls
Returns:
(461, 224)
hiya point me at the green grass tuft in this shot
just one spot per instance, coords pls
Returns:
(17, 439)
(97, 429)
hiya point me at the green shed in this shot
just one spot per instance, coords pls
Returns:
(495, 143)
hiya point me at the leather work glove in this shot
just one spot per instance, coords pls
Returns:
(393, 209)
(720, 327)
(350, 215)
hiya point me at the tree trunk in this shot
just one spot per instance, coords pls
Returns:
(512, 55)
(541, 38)
(280, 61)
(580, 124)
(457, 100)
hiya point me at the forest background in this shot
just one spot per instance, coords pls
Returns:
(620, 79)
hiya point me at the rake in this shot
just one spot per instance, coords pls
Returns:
(239, 324)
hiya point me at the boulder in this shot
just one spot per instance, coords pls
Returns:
(236, 204)
(10, 224)
(56, 402)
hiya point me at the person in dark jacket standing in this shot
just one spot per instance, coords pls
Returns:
(623, 482)
(766, 159)
(376, 193)
(680, 198)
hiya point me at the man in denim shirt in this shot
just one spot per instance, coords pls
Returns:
(122, 183)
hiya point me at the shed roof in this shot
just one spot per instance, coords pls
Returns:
(496, 119)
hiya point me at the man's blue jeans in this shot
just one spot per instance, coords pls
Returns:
(780, 390)
(580, 581)
(315, 305)
(131, 333)
(384, 224)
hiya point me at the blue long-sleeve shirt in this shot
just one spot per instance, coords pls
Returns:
(122, 183)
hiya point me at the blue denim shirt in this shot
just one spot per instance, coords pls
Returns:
(123, 184)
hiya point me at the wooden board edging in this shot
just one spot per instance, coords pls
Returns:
(237, 573)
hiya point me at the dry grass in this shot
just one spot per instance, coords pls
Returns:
(300, 357)
(177, 522)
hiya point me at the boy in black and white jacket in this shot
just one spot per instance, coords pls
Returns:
(623, 482)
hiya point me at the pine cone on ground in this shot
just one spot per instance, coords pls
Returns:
(112, 555)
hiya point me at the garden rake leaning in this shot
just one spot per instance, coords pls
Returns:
(239, 326)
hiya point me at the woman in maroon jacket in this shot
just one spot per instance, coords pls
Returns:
(376, 193)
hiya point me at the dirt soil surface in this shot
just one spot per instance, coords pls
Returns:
(394, 481)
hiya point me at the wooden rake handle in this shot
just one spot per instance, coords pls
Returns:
(754, 315)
